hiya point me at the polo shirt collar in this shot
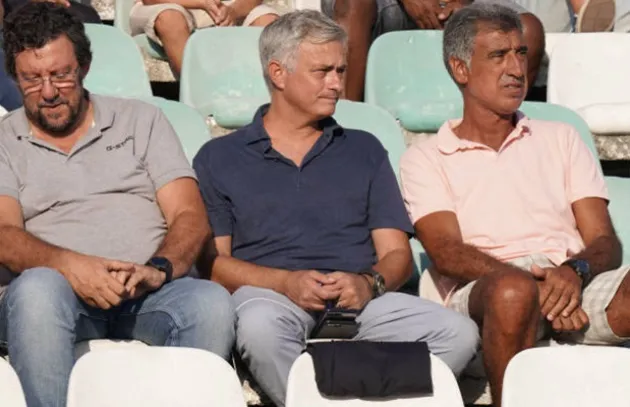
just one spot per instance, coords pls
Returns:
(103, 117)
(448, 143)
(257, 133)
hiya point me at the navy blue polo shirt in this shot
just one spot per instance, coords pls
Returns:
(317, 216)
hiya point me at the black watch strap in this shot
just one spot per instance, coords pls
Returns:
(164, 265)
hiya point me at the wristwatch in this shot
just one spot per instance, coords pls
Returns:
(581, 268)
(162, 264)
(378, 287)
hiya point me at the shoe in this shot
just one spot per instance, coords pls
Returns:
(596, 16)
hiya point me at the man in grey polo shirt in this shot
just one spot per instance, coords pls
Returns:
(100, 216)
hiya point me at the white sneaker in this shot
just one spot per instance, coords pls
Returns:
(596, 16)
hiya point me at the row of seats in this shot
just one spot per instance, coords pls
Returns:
(173, 377)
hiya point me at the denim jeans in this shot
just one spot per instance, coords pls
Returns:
(41, 318)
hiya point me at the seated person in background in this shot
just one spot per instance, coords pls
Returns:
(366, 20)
(100, 216)
(305, 211)
(85, 12)
(170, 22)
(513, 211)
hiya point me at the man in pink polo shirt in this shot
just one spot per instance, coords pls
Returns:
(513, 211)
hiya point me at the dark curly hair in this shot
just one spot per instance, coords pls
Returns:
(35, 24)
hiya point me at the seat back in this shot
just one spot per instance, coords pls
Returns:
(407, 77)
(586, 69)
(117, 67)
(575, 376)
(307, 5)
(189, 125)
(11, 393)
(121, 16)
(153, 376)
(228, 85)
(302, 389)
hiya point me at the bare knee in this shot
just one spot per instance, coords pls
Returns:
(511, 301)
(264, 20)
(363, 11)
(170, 21)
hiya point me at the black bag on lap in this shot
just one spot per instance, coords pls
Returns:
(364, 369)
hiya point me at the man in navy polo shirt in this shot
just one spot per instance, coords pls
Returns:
(306, 212)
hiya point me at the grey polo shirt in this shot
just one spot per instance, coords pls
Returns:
(100, 199)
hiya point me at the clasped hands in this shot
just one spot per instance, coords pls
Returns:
(560, 295)
(431, 14)
(310, 289)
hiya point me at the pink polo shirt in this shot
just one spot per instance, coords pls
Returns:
(511, 203)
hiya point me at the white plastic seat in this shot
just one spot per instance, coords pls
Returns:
(302, 389)
(81, 348)
(568, 376)
(587, 73)
(11, 393)
(153, 377)
(307, 5)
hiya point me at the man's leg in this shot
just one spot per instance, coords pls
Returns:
(534, 36)
(403, 317)
(271, 332)
(506, 307)
(41, 318)
(186, 312)
(358, 19)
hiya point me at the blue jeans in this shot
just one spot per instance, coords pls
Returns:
(41, 318)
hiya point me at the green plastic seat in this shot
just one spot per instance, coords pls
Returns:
(222, 76)
(188, 124)
(407, 77)
(117, 67)
(121, 21)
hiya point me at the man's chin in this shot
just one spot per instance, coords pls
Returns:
(55, 127)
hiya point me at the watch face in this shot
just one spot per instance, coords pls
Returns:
(160, 263)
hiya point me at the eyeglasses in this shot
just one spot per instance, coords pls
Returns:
(58, 80)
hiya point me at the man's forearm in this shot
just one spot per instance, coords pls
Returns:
(396, 268)
(20, 250)
(183, 242)
(465, 263)
(603, 254)
(243, 7)
(233, 273)
(189, 4)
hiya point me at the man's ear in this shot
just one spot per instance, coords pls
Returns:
(84, 70)
(460, 71)
(277, 74)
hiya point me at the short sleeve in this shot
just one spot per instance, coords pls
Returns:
(9, 184)
(584, 175)
(218, 205)
(385, 207)
(425, 189)
(165, 158)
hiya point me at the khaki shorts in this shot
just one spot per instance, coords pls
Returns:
(595, 299)
(142, 18)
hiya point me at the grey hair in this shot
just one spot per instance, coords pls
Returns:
(462, 28)
(281, 39)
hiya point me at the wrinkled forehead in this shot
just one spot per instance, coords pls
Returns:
(332, 53)
(489, 39)
(55, 55)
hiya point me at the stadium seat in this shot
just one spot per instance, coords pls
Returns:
(95, 345)
(302, 390)
(117, 67)
(586, 73)
(153, 376)
(568, 376)
(307, 5)
(231, 90)
(407, 77)
(188, 124)
(121, 21)
(11, 393)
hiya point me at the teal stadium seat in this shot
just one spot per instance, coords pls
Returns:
(117, 67)
(406, 76)
(121, 21)
(188, 124)
(222, 76)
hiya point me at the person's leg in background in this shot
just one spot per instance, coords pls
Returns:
(86, 12)
(10, 97)
(534, 36)
(41, 318)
